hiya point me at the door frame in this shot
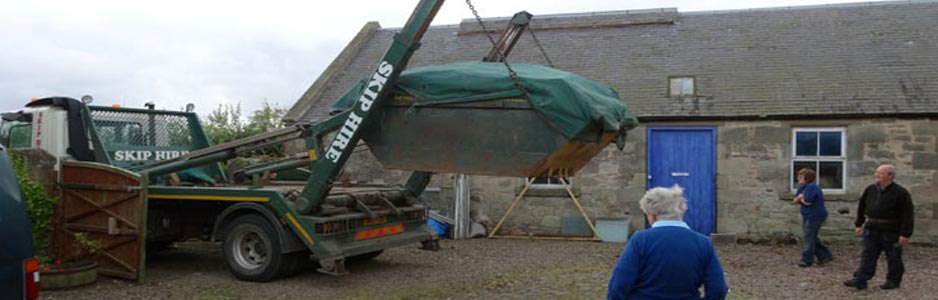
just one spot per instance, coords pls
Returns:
(712, 129)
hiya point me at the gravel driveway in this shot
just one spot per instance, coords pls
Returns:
(505, 269)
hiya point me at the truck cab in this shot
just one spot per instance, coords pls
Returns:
(42, 127)
(124, 137)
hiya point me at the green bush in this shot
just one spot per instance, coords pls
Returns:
(225, 124)
(39, 205)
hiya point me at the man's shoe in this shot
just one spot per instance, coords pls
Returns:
(824, 261)
(802, 264)
(856, 283)
(889, 285)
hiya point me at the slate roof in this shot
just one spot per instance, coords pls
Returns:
(796, 62)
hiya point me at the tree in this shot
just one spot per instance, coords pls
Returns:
(225, 124)
(265, 119)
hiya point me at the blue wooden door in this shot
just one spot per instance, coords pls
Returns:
(686, 156)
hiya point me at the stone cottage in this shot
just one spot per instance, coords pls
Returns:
(731, 105)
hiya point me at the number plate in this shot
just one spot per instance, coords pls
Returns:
(375, 221)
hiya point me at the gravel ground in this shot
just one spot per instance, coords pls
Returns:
(506, 269)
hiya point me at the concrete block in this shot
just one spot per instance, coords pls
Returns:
(771, 135)
(913, 147)
(882, 154)
(723, 238)
(925, 128)
(867, 134)
(927, 161)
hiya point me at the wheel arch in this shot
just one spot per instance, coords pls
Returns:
(289, 242)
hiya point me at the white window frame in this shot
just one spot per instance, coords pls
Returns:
(683, 80)
(550, 185)
(841, 159)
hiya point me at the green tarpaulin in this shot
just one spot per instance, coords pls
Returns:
(569, 101)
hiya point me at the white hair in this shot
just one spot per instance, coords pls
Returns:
(890, 169)
(665, 203)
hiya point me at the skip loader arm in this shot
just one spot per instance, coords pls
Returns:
(370, 102)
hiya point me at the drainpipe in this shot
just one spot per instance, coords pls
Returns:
(461, 215)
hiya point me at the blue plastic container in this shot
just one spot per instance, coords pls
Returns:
(441, 229)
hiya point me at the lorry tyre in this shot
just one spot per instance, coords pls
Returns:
(252, 249)
(294, 262)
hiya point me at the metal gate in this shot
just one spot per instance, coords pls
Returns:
(107, 205)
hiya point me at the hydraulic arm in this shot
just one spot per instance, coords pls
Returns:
(326, 165)
(371, 99)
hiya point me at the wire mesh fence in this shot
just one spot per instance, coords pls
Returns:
(140, 128)
(133, 138)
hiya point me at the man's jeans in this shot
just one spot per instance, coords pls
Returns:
(874, 243)
(812, 244)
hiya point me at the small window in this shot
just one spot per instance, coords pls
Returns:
(682, 86)
(16, 130)
(550, 182)
(16, 134)
(822, 150)
(120, 133)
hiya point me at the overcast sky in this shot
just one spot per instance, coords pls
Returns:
(211, 52)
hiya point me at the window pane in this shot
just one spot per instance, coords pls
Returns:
(675, 86)
(831, 175)
(830, 143)
(688, 86)
(797, 166)
(20, 135)
(806, 143)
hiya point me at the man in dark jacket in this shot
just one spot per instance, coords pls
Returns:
(885, 219)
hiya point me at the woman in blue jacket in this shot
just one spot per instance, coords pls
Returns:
(813, 214)
(669, 260)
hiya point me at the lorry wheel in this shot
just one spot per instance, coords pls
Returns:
(252, 249)
(294, 262)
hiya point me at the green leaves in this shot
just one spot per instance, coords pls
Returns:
(39, 205)
(225, 124)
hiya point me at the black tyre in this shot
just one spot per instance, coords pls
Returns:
(252, 249)
(294, 262)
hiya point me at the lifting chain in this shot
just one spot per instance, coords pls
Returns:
(511, 72)
(538, 44)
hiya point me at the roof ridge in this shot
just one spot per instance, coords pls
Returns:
(805, 7)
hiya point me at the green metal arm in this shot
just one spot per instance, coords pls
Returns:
(370, 102)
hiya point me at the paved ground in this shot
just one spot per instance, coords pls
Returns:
(505, 269)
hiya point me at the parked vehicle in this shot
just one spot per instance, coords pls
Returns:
(136, 177)
(19, 270)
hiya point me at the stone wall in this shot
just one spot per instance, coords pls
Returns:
(41, 167)
(753, 165)
(754, 157)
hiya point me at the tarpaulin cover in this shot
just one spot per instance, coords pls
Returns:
(569, 101)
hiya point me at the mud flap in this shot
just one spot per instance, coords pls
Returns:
(332, 266)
